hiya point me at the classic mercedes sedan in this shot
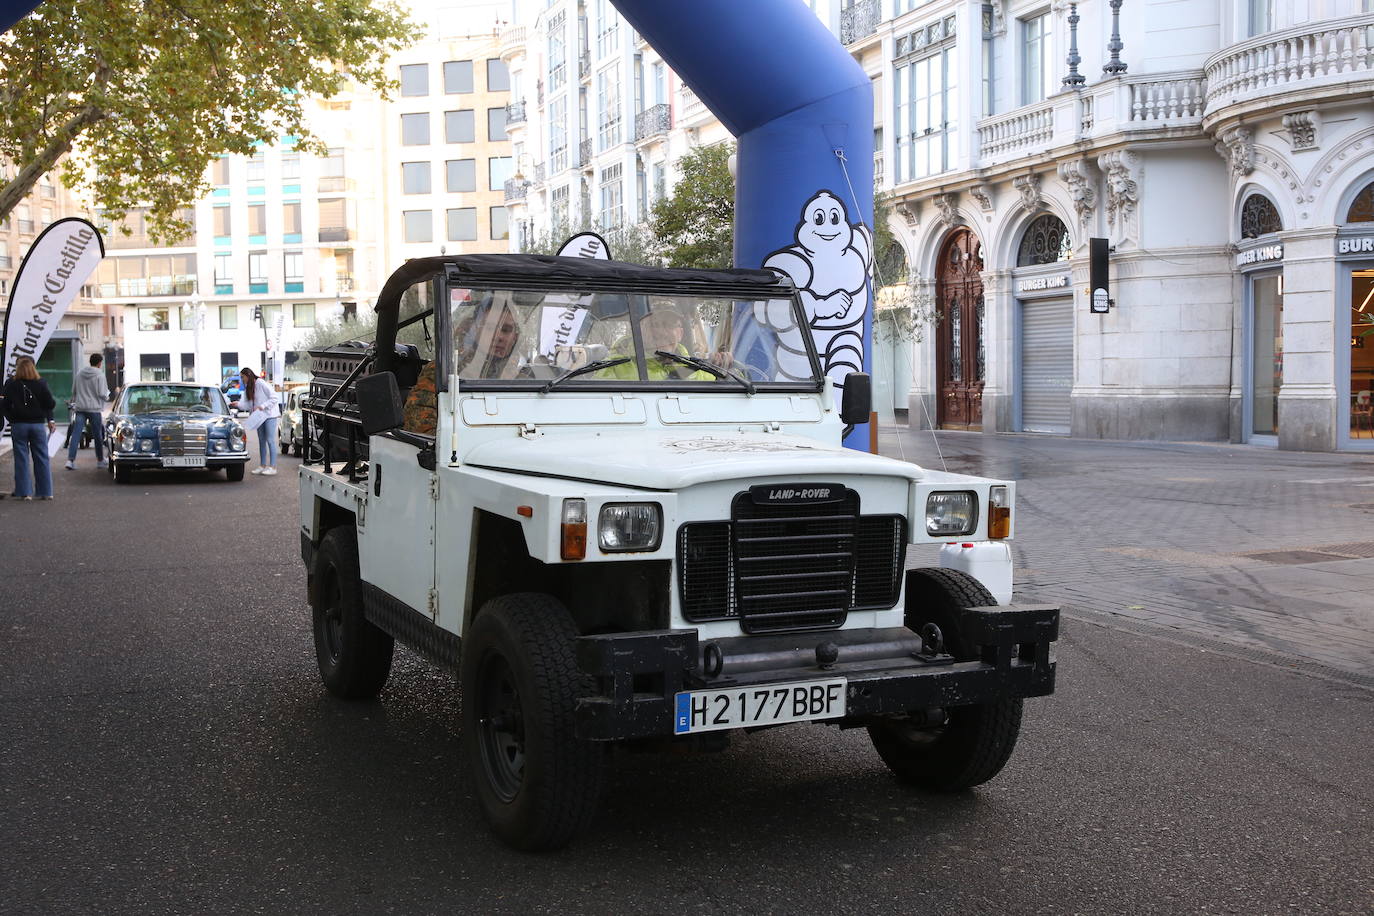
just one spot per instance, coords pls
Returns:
(174, 425)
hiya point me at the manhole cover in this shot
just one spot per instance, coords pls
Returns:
(1295, 557)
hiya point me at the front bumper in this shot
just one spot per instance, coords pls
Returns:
(637, 675)
(145, 460)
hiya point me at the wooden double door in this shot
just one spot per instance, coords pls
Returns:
(959, 339)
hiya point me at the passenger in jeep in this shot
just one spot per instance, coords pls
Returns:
(664, 328)
(485, 342)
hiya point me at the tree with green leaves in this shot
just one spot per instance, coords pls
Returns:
(141, 95)
(695, 226)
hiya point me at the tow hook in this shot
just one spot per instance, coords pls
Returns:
(932, 651)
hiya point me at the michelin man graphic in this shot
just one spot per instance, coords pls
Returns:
(829, 264)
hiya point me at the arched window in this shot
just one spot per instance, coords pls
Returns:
(1045, 242)
(1258, 216)
(1362, 207)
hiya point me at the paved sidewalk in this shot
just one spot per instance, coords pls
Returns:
(1269, 553)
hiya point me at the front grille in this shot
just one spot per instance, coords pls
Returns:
(792, 566)
(181, 439)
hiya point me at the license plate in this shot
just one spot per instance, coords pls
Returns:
(759, 704)
(184, 461)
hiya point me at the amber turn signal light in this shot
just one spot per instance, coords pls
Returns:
(999, 513)
(574, 529)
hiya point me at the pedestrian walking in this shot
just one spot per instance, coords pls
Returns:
(28, 405)
(90, 392)
(260, 396)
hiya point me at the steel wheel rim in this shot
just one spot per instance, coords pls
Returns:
(333, 616)
(501, 728)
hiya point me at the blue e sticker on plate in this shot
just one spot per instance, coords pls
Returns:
(683, 720)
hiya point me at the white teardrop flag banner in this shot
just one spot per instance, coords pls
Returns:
(49, 278)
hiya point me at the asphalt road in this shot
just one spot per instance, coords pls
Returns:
(166, 747)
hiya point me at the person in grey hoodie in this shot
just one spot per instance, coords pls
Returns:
(89, 394)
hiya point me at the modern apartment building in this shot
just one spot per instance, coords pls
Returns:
(598, 120)
(287, 239)
(1222, 150)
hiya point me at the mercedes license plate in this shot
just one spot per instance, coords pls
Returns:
(759, 704)
(184, 461)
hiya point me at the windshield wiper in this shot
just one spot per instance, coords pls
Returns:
(593, 366)
(704, 366)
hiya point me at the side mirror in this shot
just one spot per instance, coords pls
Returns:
(856, 405)
(379, 402)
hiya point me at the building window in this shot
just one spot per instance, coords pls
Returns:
(419, 226)
(257, 271)
(608, 107)
(498, 77)
(219, 172)
(462, 224)
(5, 262)
(228, 318)
(350, 311)
(303, 314)
(290, 166)
(558, 53)
(1362, 207)
(611, 197)
(462, 175)
(459, 126)
(1035, 59)
(223, 227)
(607, 28)
(499, 169)
(269, 315)
(224, 274)
(333, 219)
(188, 367)
(1046, 242)
(558, 208)
(414, 79)
(496, 124)
(415, 129)
(415, 177)
(155, 367)
(332, 166)
(257, 168)
(1261, 17)
(457, 76)
(1259, 216)
(926, 100)
(500, 224)
(291, 222)
(293, 271)
(83, 330)
(558, 135)
(257, 224)
(154, 319)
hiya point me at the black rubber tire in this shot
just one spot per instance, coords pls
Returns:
(235, 471)
(285, 448)
(296, 448)
(122, 473)
(353, 654)
(537, 784)
(976, 741)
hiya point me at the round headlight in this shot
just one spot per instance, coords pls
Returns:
(124, 437)
(630, 526)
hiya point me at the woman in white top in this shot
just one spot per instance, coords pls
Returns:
(258, 394)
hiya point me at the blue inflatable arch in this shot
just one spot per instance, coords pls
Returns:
(801, 110)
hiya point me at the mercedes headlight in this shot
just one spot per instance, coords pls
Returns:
(951, 514)
(124, 438)
(237, 438)
(630, 526)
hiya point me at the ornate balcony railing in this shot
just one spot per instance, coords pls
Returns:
(511, 40)
(877, 169)
(1172, 97)
(516, 188)
(860, 20)
(584, 66)
(584, 152)
(515, 113)
(539, 173)
(1308, 56)
(1019, 131)
(656, 119)
(344, 283)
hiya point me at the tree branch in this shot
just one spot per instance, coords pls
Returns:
(46, 158)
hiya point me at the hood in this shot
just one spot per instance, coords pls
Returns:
(664, 461)
(90, 372)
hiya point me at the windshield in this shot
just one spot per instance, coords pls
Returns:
(531, 336)
(153, 398)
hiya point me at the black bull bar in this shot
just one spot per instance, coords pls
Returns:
(888, 671)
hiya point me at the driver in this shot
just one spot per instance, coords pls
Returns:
(664, 328)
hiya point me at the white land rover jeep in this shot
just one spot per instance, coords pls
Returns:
(596, 501)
